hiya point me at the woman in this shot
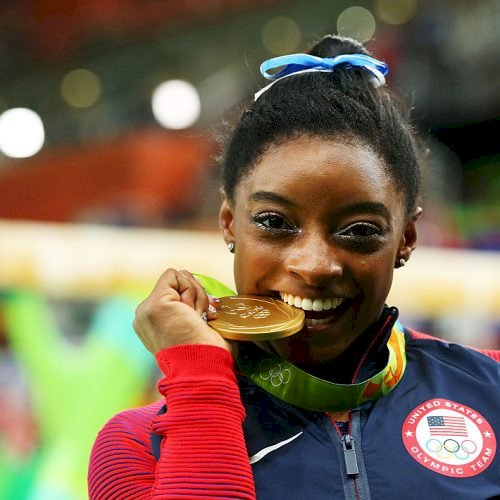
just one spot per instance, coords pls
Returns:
(320, 192)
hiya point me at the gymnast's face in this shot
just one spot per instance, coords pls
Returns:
(320, 224)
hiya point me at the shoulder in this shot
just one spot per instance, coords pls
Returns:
(475, 361)
(129, 427)
(135, 417)
(121, 459)
(422, 339)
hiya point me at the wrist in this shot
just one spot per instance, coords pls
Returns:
(195, 360)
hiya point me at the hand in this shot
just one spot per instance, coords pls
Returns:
(172, 314)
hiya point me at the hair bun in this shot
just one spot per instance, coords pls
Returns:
(335, 45)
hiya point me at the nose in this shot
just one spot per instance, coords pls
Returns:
(314, 260)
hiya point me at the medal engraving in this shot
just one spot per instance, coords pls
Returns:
(253, 317)
(244, 311)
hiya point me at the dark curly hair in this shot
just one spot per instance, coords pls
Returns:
(342, 105)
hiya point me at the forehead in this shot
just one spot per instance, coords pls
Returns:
(318, 169)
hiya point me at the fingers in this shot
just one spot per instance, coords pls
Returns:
(181, 286)
(213, 307)
(173, 313)
(193, 294)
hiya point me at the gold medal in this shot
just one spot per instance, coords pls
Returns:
(254, 317)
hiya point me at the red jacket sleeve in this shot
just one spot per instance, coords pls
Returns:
(203, 452)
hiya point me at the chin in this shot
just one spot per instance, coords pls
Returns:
(315, 344)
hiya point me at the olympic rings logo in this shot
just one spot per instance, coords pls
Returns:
(451, 448)
(276, 375)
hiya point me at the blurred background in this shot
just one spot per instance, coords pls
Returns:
(110, 115)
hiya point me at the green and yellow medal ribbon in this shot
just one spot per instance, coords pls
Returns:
(295, 386)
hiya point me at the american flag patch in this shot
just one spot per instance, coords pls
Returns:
(447, 426)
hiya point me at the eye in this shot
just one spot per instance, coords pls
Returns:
(361, 230)
(362, 237)
(273, 222)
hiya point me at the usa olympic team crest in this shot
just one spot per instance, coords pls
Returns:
(449, 438)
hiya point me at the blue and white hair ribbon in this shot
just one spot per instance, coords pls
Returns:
(294, 64)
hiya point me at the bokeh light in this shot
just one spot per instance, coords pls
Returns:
(396, 11)
(81, 88)
(356, 22)
(21, 133)
(176, 104)
(281, 35)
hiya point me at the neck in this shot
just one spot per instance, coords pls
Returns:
(365, 356)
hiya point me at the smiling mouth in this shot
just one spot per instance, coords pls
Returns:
(317, 311)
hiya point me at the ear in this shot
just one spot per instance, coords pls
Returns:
(409, 239)
(226, 218)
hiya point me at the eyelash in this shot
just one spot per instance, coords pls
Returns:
(259, 221)
(372, 230)
(366, 233)
(369, 242)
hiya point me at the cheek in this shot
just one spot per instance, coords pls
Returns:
(374, 275)
(252, 263)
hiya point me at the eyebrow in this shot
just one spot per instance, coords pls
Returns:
(270, 196)
(369, 206)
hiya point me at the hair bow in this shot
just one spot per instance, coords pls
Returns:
(294, 64)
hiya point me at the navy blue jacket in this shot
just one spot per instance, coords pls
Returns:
(432, 437)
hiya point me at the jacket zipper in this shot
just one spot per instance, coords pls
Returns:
(350, 459)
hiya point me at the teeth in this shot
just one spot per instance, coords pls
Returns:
(307, 304)
(311, 305)
(318, 305)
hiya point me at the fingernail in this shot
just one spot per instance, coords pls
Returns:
(204, 316)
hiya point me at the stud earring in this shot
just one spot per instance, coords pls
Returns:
(230, 246)
(402, 262)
